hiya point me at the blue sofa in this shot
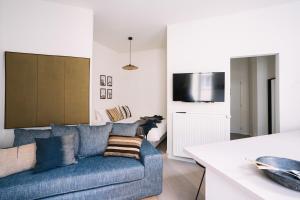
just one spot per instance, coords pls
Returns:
(92, 178)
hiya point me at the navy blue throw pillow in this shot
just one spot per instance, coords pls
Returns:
(54, 152)
(93, 139)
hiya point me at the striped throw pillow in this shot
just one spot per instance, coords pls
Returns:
(126, 111)
(114, 114)
(122, 112)
(124, 146)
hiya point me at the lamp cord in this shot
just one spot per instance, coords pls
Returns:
(129, 52)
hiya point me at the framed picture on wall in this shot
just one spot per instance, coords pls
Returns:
(102, 80)
(109, 81)
(102, 93)
(109, 93)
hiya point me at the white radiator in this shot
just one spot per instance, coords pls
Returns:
(191, 129)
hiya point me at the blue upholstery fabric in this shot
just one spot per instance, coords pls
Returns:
(93, 139)
(89, 173)
(93, 178)
(60, 130)
(150, 185)
(54, 152)
(124, 129)
(26, 136)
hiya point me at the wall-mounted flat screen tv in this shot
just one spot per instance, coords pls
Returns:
(199, 87)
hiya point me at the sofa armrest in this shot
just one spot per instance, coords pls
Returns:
(152, 159)
(148, 151)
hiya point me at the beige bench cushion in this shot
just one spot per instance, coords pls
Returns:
(17, 159)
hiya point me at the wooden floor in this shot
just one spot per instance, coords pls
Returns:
(180, 179)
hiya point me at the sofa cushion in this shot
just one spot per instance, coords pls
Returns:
(17, 159)
(89, 173)
(57, 151)
(93, 139)
(27, 136)
(60, 130)
(114, 114)
(124, 129)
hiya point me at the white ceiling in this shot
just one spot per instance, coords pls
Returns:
(146, 20)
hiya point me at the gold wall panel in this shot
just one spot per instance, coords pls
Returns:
(51, 92)
(42, 89)
(20, 90)
(76, 90)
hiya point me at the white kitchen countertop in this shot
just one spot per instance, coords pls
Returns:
(228, 160)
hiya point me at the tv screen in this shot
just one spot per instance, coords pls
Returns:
(199, 87)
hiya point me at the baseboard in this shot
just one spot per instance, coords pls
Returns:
(240, 133)
(235, 131)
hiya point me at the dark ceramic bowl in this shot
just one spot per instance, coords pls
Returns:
(280, 177)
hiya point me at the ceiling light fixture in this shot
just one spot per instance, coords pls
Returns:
(130, 66)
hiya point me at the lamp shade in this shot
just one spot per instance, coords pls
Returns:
(130, 67)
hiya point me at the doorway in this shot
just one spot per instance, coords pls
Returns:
(253, 96)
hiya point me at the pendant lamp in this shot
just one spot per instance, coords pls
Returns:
(130, 66)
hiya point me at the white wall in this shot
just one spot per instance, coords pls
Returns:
(239, 100)
(265, 69)
(271, 65)
(36, 26)
(253, 95)
(262, 68)
(144, 90)
(208, 45)
(4, 140)
(105, 62)
(262, 96)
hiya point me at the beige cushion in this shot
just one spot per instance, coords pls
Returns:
(17, 159)
(114, 114)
